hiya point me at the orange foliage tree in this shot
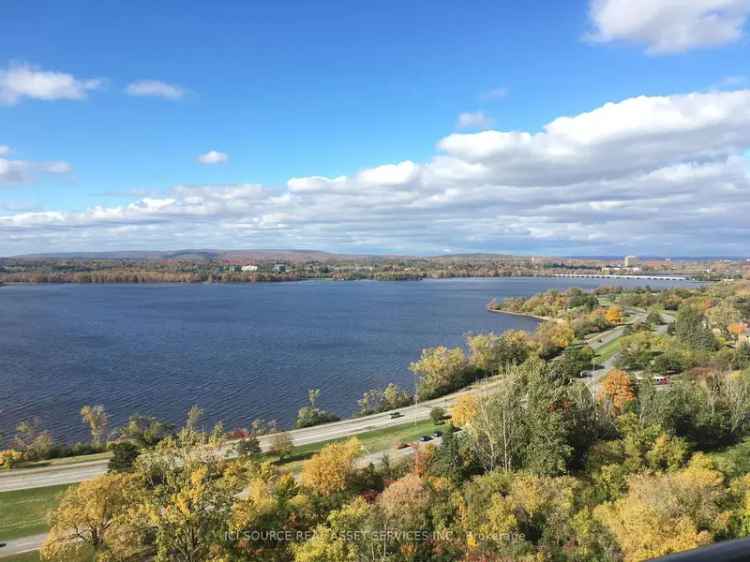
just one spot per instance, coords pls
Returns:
(617, 390)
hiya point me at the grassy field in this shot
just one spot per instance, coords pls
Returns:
(27, 557)
(24, 512)
(608, 350)
(66, 460)
(372, 441)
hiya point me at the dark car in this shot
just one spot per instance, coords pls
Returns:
(425, 438)
(395, 415)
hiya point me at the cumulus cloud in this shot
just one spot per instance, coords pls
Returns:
(18, 171)
(19, 81)
(473, 120)
(155, 88)
(213, 157)
(669, 26)
(669, 171)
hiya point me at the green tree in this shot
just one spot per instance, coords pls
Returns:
(123, 457)
(691, 328)
(311, 415)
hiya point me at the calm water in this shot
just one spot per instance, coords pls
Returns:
(238, 351)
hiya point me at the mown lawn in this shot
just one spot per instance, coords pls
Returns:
(66, 460)
(372, 441)
(24, 512)
(606, 351)
(32, 556)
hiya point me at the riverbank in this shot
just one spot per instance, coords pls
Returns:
(522, 314)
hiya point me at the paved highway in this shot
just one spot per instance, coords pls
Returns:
(68, 474)
(19, 546)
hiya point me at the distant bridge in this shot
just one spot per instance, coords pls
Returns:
(606, 276)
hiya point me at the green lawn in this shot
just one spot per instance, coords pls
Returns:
(66, 460)
(27, 557)
(24, 512)
(372, 441)
(606, 351)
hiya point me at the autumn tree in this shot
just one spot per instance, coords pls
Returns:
(348, 534)
(96, 515)
(32, 440)
(331, 470)
(490, 352)
(614, 315)
(190, 496)
(98, 421)
(380, 400)
(271, 501)
(311, 414)
(665, 513)
(440, 370)
(144, 431)
(194, 417)
(616, 391)
(553, 337)
(464, 409)
(405, 503)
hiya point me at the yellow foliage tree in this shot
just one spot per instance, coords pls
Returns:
(614, 314)
(271, 501)
(96, 515)
(330, 471)
(617, 390)
(666, 513)
(10, 458)
(553, 337)
(464, 410)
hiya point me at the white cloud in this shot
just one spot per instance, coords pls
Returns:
(473, 120)
(494, 94)
(213, 157)
(20, 81)
(155, 88)
(669, 26)
(669, 171)
(19, 171)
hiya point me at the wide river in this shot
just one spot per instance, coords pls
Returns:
(238, 351)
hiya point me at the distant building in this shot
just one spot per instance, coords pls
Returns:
(249, 268)
(279, 268)
(631, 261)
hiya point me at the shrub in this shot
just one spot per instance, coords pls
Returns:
(437, 415)
(10, 458)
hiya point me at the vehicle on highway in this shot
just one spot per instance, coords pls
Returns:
(395, 415)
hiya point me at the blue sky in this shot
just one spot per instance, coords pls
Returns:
(330, 89)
